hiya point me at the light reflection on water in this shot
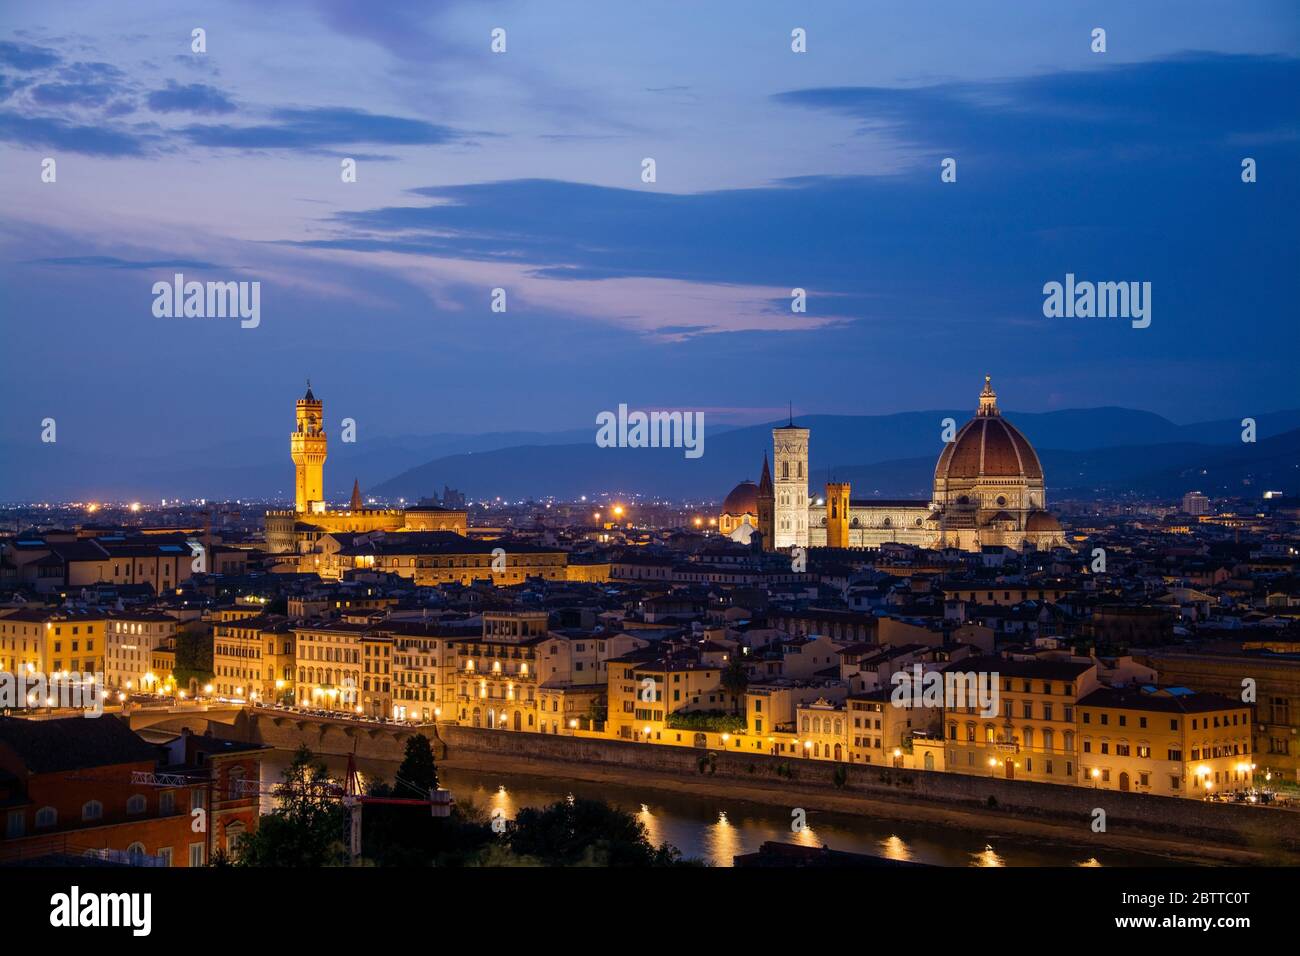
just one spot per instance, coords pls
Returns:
(716, 829)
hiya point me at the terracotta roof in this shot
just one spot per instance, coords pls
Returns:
(743, 500)
(988, 446)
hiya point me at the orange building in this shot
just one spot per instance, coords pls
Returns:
(76, 787)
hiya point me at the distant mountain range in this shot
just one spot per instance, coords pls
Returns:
(1087, 451)
(1108, 450)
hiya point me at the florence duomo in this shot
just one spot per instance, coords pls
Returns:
(988, 491)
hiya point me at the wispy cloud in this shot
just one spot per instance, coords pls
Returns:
(190, 98)
(323, 127)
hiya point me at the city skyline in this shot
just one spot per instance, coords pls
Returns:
(480, 434)
(775, 171)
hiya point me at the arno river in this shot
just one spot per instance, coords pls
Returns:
(716, 829)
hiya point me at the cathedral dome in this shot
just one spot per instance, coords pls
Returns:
(743, 500)
(988, 446)
(1042, 521)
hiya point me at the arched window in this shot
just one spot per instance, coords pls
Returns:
(1049, 739)
(805, 723)
(1028, 735)
(1069, 741)
(92, 810)
(47, 817)
(135, 851)
(136, 803)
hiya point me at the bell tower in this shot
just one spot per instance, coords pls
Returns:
(790, 484)
(307, 449)
(837, 514)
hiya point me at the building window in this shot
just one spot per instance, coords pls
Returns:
(136, 804)
(196, 854)
(92, 810)
(47, 817)
(15, 824)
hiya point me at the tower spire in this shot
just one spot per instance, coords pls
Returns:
(988, 399)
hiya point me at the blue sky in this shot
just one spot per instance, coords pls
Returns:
(522, 170)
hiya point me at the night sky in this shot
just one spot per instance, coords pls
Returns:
(522, 170)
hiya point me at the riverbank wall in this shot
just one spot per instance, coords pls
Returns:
(1267, 834)
(1265, 831)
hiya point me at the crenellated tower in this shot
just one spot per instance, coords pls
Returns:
(307, 449)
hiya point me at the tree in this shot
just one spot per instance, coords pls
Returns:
(308, 827)
(585, 833)
(418, 774)
(193, 653)
(735, 679)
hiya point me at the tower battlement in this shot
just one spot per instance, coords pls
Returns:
(308, 448)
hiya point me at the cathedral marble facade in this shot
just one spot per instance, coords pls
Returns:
(988, 490)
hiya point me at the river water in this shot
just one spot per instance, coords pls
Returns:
(716, 829)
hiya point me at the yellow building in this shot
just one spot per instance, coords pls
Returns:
(163, 657)
(1032, 735)
(130, 639)
(252, 656)
(329, 665)
(771, 708)
(377, 675)
(280, 664)
(566, 708)
(823, 730)
(646, 690)
(1170, 742)
(588, 572)
(51, 642)
(496, 681)
(442, 558)
(880, 733)
(1277, 686)
(424, 670)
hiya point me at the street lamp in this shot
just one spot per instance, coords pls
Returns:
(1096, 775)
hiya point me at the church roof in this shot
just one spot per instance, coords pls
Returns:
(988, 446)
(743, 500)
(1042, 521)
